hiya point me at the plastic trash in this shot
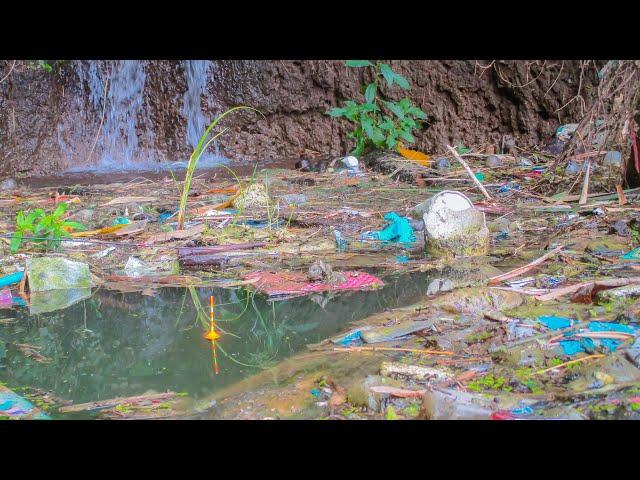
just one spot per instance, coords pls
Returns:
(5, 297)
(613, 158)
(574, 168)
(351, 163)
(14, 406)
(632, 255)
(555, 323)
(508, 187)
(480, 176)
(8, 184)
(103, 253)
(52, 300)
(341, 242)
(11, 279)
(453, 226)
(442, 163)
(633, 353)
(121, 221)
(137, 268)
(564, 132)
(294, 199)
(163, 217)
(399, 230)
(57, 273)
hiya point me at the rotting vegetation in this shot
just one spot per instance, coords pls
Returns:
(543, 326)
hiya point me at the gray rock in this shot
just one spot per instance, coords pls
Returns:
(556, 146)
(449, 404)
(442, 163)
(633, 353)
(8, 184)
(494, 161)
(84, 216)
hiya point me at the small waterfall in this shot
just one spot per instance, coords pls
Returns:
(124, 99)
(197, 74)
(127, 138)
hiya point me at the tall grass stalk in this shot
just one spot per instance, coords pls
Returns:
(202, 146)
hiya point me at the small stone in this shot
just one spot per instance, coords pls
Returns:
(555, 147)
(253, 197)
(493, 161)
(8, 184)
(443, 163)
(84, 215)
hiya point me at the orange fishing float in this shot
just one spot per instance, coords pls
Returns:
(212, 335)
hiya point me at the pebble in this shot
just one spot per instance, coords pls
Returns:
(493, 161)
(84, 215)
(556, 146)
(8, 184)
(442, 163)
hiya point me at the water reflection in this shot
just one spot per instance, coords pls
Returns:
(120, 344)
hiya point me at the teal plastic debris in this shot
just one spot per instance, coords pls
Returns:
(571, 347)
(121, 221)
(399, 230)
(632, 255)
(315, 392)
(341, 242)
(480, 176)
(555, 323)
(14, 406)
(611, 327)
(11, 279)
(402, 259)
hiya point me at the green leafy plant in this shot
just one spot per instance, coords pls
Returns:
(379, 121)
(48, 229)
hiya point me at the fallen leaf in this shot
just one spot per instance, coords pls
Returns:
(176, 234)
(123, 200)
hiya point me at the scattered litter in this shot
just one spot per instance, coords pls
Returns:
(399, 230)
(57, 273)
(294, 283)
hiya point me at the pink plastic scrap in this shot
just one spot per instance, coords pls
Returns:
(294, 283)
(5, 297)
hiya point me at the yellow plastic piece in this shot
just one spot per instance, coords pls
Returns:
(413, 155)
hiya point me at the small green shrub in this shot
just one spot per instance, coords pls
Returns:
(48, 229)
(378, 121)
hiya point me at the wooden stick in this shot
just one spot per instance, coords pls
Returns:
(585, 186)
(392, 349)
(117, 401)
(525, 268)
(605, 282)
(622, 199)
(473, 177)
(588, 357)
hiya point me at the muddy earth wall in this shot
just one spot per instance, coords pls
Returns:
(136, 114)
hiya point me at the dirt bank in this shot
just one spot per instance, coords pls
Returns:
(126, 113)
